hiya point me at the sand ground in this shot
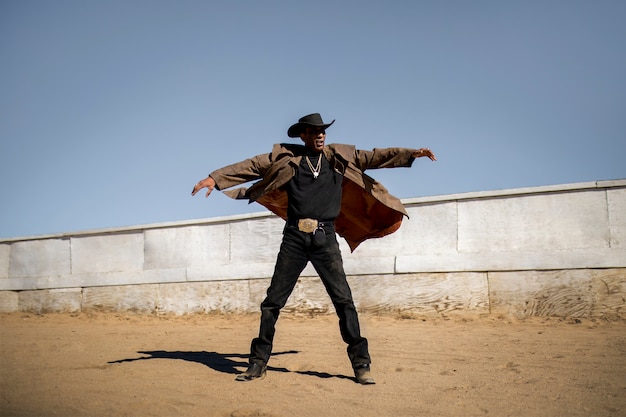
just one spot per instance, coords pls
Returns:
(130, 365)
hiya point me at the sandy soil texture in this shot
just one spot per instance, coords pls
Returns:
(125, 365)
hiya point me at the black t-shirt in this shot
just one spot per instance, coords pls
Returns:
(316, 198)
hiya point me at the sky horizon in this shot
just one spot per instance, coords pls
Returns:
(111, 111)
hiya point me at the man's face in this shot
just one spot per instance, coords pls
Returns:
(314, 138)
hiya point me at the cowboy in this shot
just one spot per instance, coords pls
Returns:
(320, 191)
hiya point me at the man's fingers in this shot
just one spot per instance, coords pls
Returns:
(424, 152)
(427, 152)
(197, 188)
(202, 184)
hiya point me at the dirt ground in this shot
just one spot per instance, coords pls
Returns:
(127, 365)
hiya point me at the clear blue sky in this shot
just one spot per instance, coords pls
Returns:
(111, 110)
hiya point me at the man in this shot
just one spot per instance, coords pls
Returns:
(320, 190)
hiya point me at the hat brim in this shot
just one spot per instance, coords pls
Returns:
(295, 129)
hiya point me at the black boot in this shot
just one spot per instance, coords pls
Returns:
(363, 375)
(254, 371)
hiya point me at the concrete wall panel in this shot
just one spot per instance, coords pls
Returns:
(545, 221)
(108, 253)
(430, 228)
(162, 276)
(239, 270)
(617, 217)
(5, 251)
(258, 240)
(102, 279)
(182, 247)
(514, 260)
(40, 258)
(358, 265)
(19, 284)
(92, 280)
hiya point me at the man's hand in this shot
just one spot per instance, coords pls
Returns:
(208, 183)
(424, 152)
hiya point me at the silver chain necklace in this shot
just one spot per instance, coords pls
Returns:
(316, 170)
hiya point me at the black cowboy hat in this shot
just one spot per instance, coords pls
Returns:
(309, 120)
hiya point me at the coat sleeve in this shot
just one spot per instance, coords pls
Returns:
(384, 158)
(250, 169)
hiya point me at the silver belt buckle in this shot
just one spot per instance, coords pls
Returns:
(307, 225)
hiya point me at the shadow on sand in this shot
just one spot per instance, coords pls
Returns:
(222, 362)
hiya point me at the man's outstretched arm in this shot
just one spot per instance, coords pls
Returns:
(250, 169)
(390, 157)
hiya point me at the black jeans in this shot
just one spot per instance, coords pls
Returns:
(296, 250)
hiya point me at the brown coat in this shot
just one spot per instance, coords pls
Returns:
(367, 208)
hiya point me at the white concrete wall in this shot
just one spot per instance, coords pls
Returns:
(550, 251)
